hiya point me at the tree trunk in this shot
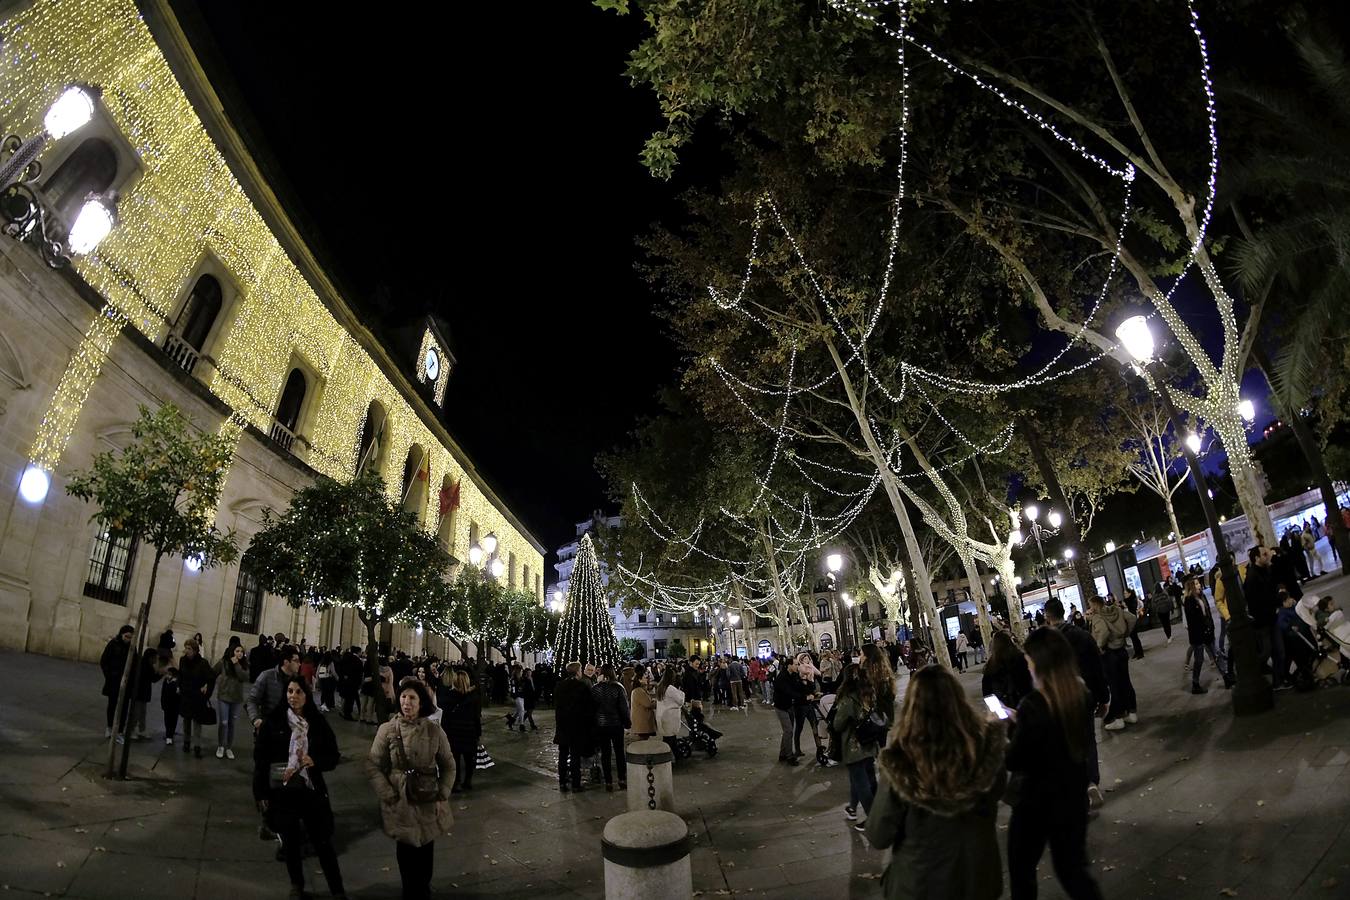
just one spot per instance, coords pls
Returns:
(1176, 528)
(1082, 563)
(1233, 437)
(121, 726)
(373, 666)
(977, 594)
(1316, 464)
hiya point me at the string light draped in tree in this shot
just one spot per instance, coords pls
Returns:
(586, 634)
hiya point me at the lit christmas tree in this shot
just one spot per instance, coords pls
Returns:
(586, 634)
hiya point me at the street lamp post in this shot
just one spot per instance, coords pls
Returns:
(24, 209)
(835, 563)
(1251, 694)
(852, 624)
(1038, 532)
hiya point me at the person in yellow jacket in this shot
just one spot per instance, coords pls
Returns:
(1221, 604)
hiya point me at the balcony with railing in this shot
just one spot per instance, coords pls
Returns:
(282, 435)
(183, 354)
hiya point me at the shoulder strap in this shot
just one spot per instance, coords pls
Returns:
(402, 751)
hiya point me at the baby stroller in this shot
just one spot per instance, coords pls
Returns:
(1336, 633)
(701, 736)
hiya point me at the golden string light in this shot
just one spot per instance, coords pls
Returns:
(182, 204)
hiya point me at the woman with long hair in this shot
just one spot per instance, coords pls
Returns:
(462, 720)
(294, 747)
(937, 800)
(1006, 675)
(1048, 758)
(859, 726)
(669, 702)
(876, 666)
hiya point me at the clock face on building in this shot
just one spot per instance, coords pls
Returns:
(432, 364)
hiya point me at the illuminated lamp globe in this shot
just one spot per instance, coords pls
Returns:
(1246, 409)
(490, 543)
(1017, 580)
(34, 484)
(475, 554)
(848, 601)
(1068, 553)
(1110, 546)
(497, 567)
(71, 111)
(92, 225)
(1193, 442)
(834, 562)
(734, 620)
(1055, 519)
(1016, 536)
(193, 562)
(1033, 512)
(1137, 339)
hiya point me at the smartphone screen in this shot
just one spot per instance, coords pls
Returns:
(996, 706)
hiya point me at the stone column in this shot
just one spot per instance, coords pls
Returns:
(655, 755)
(646, 855)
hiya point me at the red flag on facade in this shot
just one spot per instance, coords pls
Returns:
(450, 498)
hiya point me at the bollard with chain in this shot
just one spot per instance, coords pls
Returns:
(654, 759)
(651, 786)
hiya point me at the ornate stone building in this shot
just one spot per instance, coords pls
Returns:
(206, 295)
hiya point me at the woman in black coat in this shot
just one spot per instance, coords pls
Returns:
(461, 706)
(1006, 675)
(196, 681)
(294, 747)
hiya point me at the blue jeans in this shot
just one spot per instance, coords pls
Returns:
(225, 711)
(862, 783)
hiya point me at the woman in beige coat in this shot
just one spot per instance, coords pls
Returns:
(414, 826)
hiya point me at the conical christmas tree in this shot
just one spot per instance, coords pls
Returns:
(586, 633)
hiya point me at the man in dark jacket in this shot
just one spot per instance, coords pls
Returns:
(611, 718)
(574, 716)
(113, 661)
(1131, 600)
(1094, 676)
(260, 658)
(1261, 592)
(349, 680)
(694, 684)
(789, 694)
(269, 690)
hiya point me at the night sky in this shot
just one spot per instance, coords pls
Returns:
(484, 168)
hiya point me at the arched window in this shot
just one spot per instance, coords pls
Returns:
(90, 168)
(370, 453)
(292, 398)
(448, 505)
(110, 561)
(200, 311)
(413, 488)
(248, 597)
(822, 611)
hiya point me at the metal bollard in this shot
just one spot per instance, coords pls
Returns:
(646, 855)
(651, 782)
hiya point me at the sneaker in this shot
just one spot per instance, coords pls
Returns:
(860, 827)
(1131, 718)
(1115, 725)
(1284, 686)
(107, 731)
(121, 739)
(1169, 642)
(1197, 689)
(1095, 798)
(850, 813)
(1186, 667)
(829, 763)
(168, 742)
(229, 754)
(220, 753)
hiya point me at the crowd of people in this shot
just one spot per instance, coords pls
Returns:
(926, 767)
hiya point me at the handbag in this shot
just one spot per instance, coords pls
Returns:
(276, 775)
(207, 716)
(872, 729)
(419, 785)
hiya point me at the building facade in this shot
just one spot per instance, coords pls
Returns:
(204, 295)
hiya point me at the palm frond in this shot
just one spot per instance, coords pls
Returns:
(1294, 376)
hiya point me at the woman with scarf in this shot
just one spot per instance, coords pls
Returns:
(412, 770)
(295, 746)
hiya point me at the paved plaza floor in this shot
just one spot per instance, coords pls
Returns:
(1200, 805)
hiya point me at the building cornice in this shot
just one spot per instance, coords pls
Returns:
(182, 57)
